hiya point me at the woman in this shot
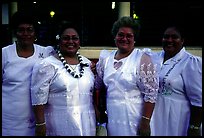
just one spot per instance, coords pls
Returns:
(17, 63)
(178, 110)
(62, 90)
(131, 82)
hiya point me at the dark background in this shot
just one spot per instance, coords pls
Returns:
(95, 20)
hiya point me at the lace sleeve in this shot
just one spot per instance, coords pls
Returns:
(41, 77)
(148, 78)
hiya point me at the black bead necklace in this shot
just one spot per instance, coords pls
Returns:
(67, 66)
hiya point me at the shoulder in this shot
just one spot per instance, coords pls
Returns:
(9, 47)
(104, 53)
(47, 50)
(192, 58)
(45, 64)
(43, 47)
(8, 51)
(192, 62)
(85, 59)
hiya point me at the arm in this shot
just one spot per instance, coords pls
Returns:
(100, 100)
(42, 75)
(144, 128)
(193, 88)
(149, 87)
(100, 91)
(195, 121)
(40, 129)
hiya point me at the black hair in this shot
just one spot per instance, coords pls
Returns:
(67, 24)
(176, 28)
(23, 17)
(126, 21)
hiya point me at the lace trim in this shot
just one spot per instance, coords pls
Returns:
(150, 82)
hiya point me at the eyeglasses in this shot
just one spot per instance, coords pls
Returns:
(122, 35)
(167, 36)
(68, 38)
(28, 30)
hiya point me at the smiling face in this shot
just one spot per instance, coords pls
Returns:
(172, 41)
(69, 42)
(25, 34)
(124, 39)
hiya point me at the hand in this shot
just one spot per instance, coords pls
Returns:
(40, 130)
(97, 115)
(194, 132)
(144, 128)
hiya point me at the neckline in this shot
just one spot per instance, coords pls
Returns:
(20, 57)
(68, 67)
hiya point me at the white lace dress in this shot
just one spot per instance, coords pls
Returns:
(68, 101)
(128, 86)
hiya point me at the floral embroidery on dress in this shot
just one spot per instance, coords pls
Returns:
(41, 55)
(149, 79)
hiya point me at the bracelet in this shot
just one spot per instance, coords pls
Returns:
(40, 124)
(146, 118)
(194, 127)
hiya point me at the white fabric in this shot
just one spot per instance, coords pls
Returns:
(68, 101)
(127, 89)
(184, 85)
(17, 116)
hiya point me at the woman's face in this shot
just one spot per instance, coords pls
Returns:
(172, 42)
(25, 34)
(69, 42)
(124, 39)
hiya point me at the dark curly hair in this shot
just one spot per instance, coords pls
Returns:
(63, 25)
(23, 17)
(126, 21)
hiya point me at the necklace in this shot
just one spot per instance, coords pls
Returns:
(67, 66)
(164, 90)
(73, 68)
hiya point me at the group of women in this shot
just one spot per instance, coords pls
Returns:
(49, 91)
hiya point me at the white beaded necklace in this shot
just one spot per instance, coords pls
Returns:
(67, 66)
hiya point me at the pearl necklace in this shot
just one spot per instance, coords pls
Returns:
(67, 66)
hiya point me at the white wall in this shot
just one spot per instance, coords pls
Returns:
(93, 52)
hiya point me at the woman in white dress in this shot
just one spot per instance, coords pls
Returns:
(178, 110)
(131, 82)
(17, 64)
(62, 90)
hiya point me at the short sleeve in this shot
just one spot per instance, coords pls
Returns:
(192, 77)
(42, 75)
(100, 69)
(50, 50)
(148, 76)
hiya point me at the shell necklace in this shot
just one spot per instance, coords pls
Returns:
(67, 66)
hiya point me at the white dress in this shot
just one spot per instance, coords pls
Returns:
(127, 89)
(69, 109)
(181, 86)
(17, 116)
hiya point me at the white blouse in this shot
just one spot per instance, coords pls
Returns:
(180, 86)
